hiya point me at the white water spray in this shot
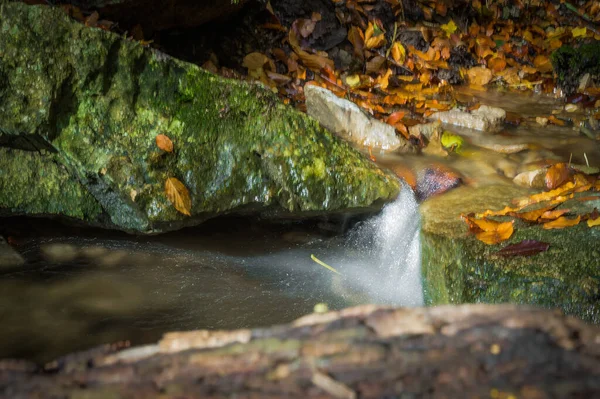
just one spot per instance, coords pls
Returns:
(385, 260)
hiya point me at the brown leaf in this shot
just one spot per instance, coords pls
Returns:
(357, 38)
(556, 175)
(524, 248)
(164, 143)
(179, 195)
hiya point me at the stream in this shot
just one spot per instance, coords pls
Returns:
(82, 287)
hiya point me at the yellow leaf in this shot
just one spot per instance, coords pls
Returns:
(593, 222)
(489, 231)
(398, 52)
(374, 36)
(561, 222)
(353, 80)
(479, 76)
(164, 143)
(579, 32)
(449, 28)
(179, 195)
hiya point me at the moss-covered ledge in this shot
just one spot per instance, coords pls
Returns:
(99, 100)
(457, 268)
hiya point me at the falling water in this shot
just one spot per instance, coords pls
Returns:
(383, 255)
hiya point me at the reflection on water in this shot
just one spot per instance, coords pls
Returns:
(78, 292)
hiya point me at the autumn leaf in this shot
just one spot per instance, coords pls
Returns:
(398, 52)
(449, 28)
(593, 222)
(497, 64)
(395, 117)
(164, 143)
(556, 175)
(579, 32)
(561, 222)
(479, 76)
(524, 248)
(489, 231)
(374, 36)
(357, 38)
(179, 195)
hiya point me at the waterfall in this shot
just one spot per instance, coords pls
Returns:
(383, 254)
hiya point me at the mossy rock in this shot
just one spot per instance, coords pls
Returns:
(457, 268)
(98, 100)
(571, 63)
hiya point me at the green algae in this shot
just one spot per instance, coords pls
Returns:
(99, 100)
(457, 268)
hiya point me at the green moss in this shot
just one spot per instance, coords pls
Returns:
(100, 101)
(571, 63)
(458, 268)
(37, 184)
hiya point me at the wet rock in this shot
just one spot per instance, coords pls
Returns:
(435, 180)
(485, 118)
(348, 121)
(571, 64)
(427, 130)
(88, 139)
(533, 178)
(458, 268)
(59, 252)
(8, 256)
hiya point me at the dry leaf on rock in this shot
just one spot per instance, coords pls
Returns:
(179, 195)
(556, 175)
(561, 222)
(164, 143)
(489, 231)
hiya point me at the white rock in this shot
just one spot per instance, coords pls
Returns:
(484, 118)
(533, 178)
(348, 121)
(428, 130)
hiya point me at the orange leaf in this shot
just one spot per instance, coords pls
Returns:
(533, 216)
(561, 222)
(479, 76)
(497, 64)
(556, 175)
(164, 143)
(179, 195)
(554, 120)
(489, 231)
(395, 117)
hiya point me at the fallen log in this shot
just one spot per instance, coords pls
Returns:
(367, 352)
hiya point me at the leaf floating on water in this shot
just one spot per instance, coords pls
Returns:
(325, 265)
(179, 195)
(164, 143)
(524, 248)
(561, 222)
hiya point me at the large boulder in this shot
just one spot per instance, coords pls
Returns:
(80, 111)
(457, 268)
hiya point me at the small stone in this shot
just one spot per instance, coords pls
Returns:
(59, 253)
(571, 107)
(426, 130)
(533, 178)
(541, 120)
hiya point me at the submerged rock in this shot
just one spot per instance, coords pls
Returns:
(80, 110)
(348, 121)
(484, 118)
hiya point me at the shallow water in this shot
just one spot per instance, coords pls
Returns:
(80, 291)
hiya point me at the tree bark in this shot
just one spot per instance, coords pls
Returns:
(366, 352)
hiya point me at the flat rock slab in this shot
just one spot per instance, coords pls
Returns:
(367, 352)
(81, 110)
(349, 122)
(458, 268)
